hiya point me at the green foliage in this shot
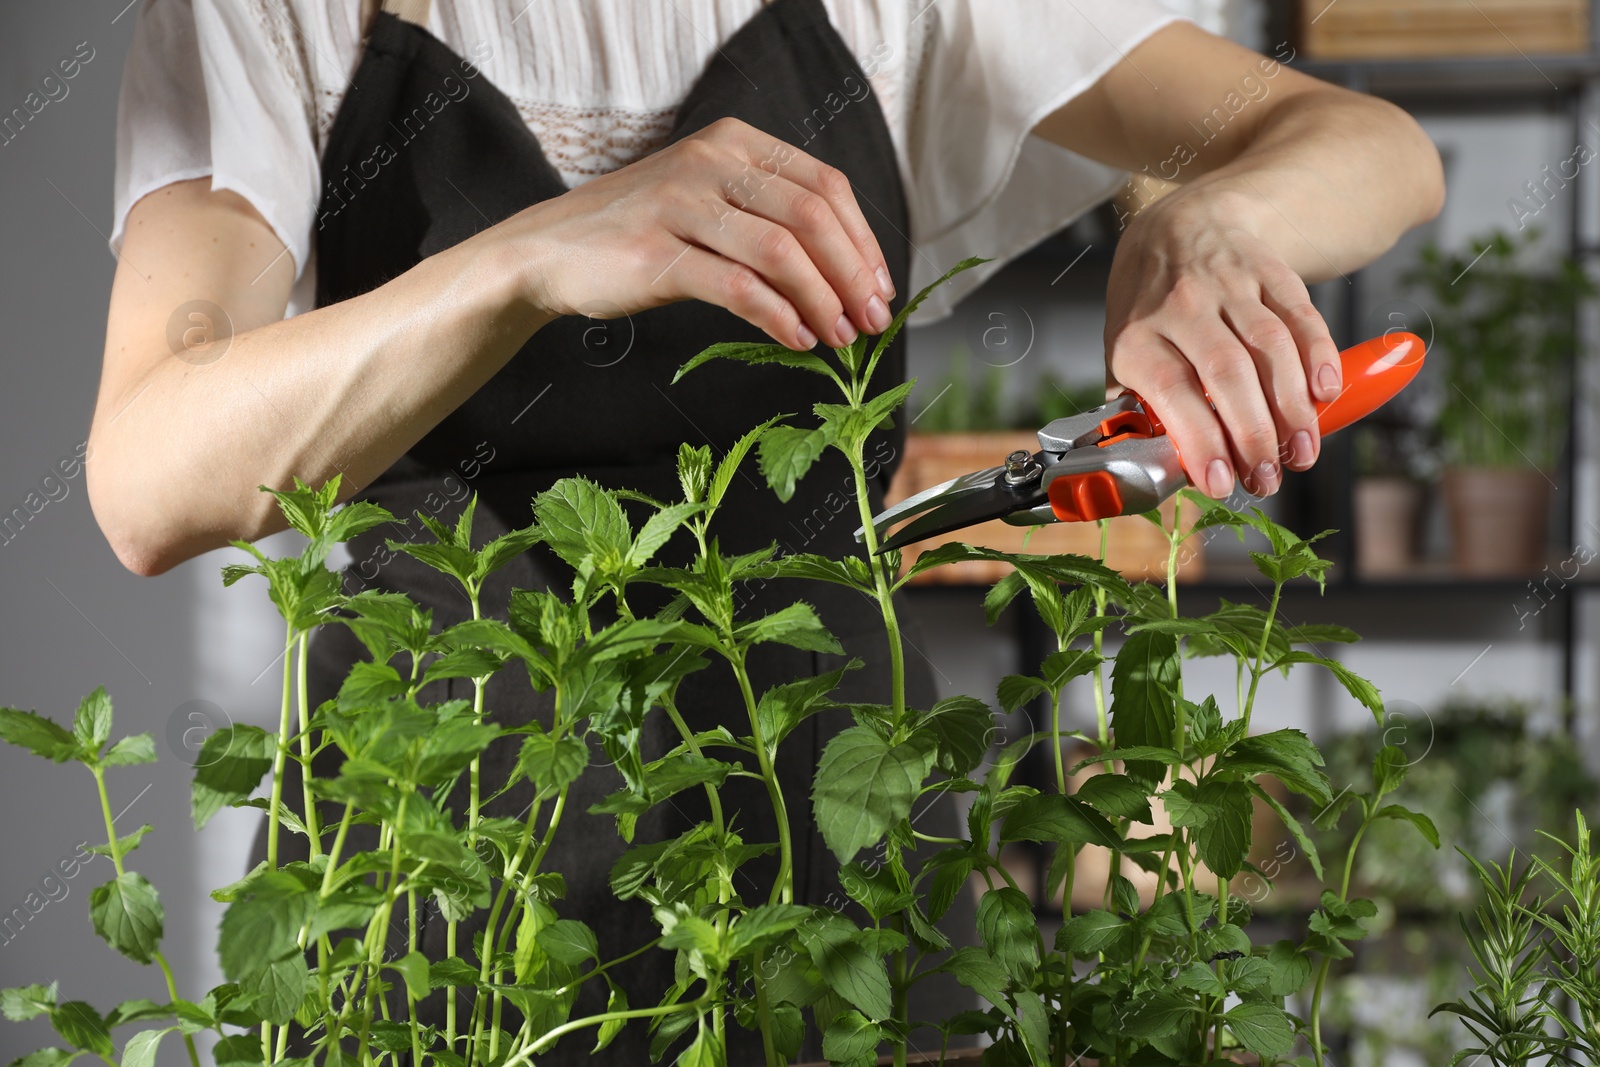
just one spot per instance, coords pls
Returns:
(305, 945)
(1508, 335)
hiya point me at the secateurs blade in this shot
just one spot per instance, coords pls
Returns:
(1117, 459)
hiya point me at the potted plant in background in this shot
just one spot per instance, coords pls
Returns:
(1389, 494)
(1489, 774)
(1507, 333)
(967, 426)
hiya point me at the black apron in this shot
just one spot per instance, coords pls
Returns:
(592, 398)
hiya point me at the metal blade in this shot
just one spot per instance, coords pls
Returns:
(954, 489)
(975, 506)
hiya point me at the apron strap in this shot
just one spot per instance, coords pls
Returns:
(412, 11)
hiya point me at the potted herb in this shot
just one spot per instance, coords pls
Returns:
(1507, 332)
(1536, 959)
(1388, 495)
(326, 949)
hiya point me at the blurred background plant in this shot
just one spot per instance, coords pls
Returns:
(1506, 330)
(1492, 776)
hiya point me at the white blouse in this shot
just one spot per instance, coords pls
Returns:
(245, 91)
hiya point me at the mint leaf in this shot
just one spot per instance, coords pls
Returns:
(1261, 1028)
(1009, 930)
(140, 1051)
(277, 988)
(1423, 824)
(82, 1027)
(581, 519)
(552, 763)
(705, 1051)
(1224, 838)
(616, 1002)
(850, 1037)
(25, 1002)
(785, 454)
(786, 706)
(1142, 712)
(125, 844)
(1117, 797)
(963, 727)
(863, 787)
(1389, 769)
(92, 723)
(756, 354)
(126, 912)
(262, 926)
(1052, 817)
(796, 625)
(1288, 755)
(1357, 686)
(1092, 932)
(38, 734)
(231, 764)
(133, 749)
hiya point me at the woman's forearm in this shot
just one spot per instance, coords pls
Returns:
(179, 450)
(1329, 182)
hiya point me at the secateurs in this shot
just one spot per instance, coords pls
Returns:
(1117, 459)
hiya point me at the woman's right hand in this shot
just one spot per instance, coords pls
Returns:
(728, 215)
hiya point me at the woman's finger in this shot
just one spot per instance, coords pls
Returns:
(772, 157)
(783, 260)
(813, 220)
(1229, 375)
(1283, 377)
(697, 274)
(1152, 367)
(1285, 294)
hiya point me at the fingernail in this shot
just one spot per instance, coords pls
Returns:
(1219, 479)
(1300, 449)
(1328, 379)
(845, 329)
(1267, 477)
(885, 285)
(808, 340)
(877, 314)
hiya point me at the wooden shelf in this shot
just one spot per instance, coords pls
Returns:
(1480, 79)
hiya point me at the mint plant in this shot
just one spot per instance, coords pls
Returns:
(306, 945)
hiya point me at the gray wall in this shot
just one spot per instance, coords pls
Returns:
(74, 618)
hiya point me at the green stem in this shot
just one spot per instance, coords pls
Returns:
(1261, 655)
(116, 861)
(783, 886)
(883, 590)
(1102, 723)
(551, 1036)
(900, 1014)
(1322, 970)
(313, 827)
(712, 797)
(474, 774)
(282, 755)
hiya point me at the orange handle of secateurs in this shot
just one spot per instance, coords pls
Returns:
(1373, 373)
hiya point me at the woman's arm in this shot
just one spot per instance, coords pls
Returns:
(181, 439)
(1283, 178)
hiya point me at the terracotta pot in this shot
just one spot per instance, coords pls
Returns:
(1386, 512)
(1499, 519)
(1134, 546)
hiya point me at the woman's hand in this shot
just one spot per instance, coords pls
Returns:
(728, 215)
(1197, 304)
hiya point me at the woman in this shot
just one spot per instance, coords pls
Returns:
(398, 245)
